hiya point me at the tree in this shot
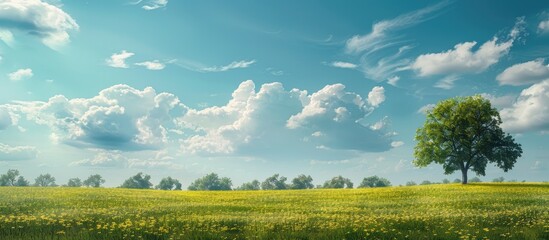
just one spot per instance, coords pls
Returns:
(457, 180)
(22, 182)
(10, 178)
(445, 181)
(499, 179)
(211, 182)
(74, 182)
(169, 183)
(275, 182)
(139, 181)
(411, 183)
(374, 181)
(253, 185)
(426, 182)
(302, 182)
(338, 182)
(45, 180)
(464, 133)
(94, 181)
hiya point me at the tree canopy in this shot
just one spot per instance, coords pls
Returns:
(74, 182)
(374, 181)
(302, 182)
(211, 182)
(275, 182)
(9, 178)
(169, 183)
(464, 133)
(94, 181)
(338, 182)
(140, 181)
(45, 180)
(253, 185)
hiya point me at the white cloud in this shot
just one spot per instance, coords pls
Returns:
(464, 59)
(396, 144)
(21, 74)
(382, 34)
(278, 124)
(16, 153)
(530, 112)
(501, 101)
(152, 65)
(154, 4)
(118, 60)
(39, 18)
(543, 26)
(524, 73)
(119, 118)
(447, 82)
(376, 96)
(7, 37)
(233, 65)
(339, 64)
(380, 124)
(423, 110)
(393, 80)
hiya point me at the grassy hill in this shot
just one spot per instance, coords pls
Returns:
(451, 211)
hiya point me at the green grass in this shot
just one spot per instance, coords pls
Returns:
(452, 211)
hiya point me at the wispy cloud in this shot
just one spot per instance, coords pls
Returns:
(152, 65)
(118, 60)
(339, 64)
(384, 33)
(385, 36)
(151, 4)
(21, 74)
(233, 65)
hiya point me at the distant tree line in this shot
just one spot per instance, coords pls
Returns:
(212, 182)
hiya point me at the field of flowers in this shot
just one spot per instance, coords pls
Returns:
(449, 211)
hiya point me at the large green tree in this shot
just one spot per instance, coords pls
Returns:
(464, 133)
(94, 181)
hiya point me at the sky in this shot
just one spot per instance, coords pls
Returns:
(247, 89)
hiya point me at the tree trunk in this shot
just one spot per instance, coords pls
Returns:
(463, 176)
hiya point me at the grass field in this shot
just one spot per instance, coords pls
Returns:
(452, 211)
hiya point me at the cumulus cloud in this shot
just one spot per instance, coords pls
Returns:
(118, 159)
(524, 73)
(16, 153)
(376, 96)
(233, 65)
(276, 123)
(38, 18)
(118, 60)
(118, 118)
(152, 65)
(339, 64)
(464, 59)
(543, 26)
(500, 102)
(530, 112)
(21, 74)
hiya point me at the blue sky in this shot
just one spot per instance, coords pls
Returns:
(248, 89)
